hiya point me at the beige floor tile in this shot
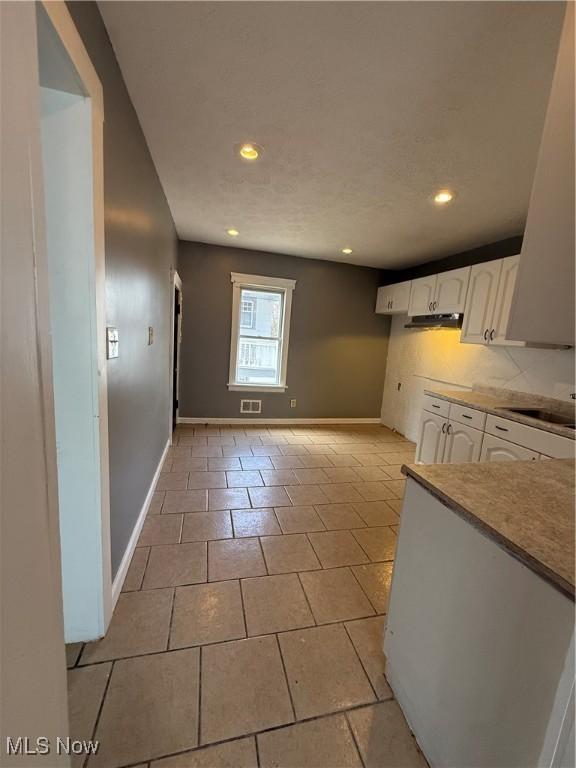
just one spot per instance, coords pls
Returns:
(207, 613)
(316, 461)
(323, 671)
(256, 462)
(235, 452)
(293, 450)
(372, 474)
(341, 493)
(266, 450)
(323, 743)
(394, 471)
(185, 501)
(299, 519)
(402, 457)
(86, 686)
(150, 710)
(321, 449)
(396, 505)
(339, 516)
(371, 460)
(172, 481)
(376, 513)
(160, 529)
(311, 476)
(279, 477)
(398, 486)
(240, 753)
(235, 559)
(275, 604)
(208, 451)
(377, 491)
(286, 462)
(268, 497)
(140, 624)
(375, 580)
(133, 580)
(171, 565)
(342, 474)
(244, 479)
(255, 522)
(73, 651)
(243, 689)
(219, 464)
(378, 543)
(335, 595)
(196, 464)
(337, 548)
(344, 460)
(198, 480)
(367, 636)
(230, 498)
(204, 526)
(306, 494)
(289, 554)
(384, 738)
(156, 502)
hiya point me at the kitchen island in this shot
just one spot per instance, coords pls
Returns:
(480, 629)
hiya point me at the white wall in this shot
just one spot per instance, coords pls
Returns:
(419, 360)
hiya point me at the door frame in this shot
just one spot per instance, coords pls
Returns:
(70, 39)
(175, 284)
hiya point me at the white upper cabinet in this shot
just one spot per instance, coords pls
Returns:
(451, 290)
(422, 296)
(393, 299)
(488, 304)
(504, 301)
(479, 309)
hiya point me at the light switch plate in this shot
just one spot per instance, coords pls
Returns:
(111, 342)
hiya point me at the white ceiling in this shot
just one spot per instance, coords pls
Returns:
(363, 111)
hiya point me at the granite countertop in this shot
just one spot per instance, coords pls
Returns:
(495, 400)
(526, 507)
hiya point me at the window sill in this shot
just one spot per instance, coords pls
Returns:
(257, 388)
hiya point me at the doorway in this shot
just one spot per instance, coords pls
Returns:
(176, 288)
(71, 116)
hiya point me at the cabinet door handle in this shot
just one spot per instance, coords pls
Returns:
(465, 416)
(486, 334)
(392, 304)
(430, 306)
(444, 428)
(448, 428)
(492, 332)
(435, 406)
(434, 304)
(502, 429)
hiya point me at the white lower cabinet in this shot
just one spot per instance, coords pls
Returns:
(496, 449)
(432, 438)
(463, 444)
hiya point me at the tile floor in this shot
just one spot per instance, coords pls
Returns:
(250, 625)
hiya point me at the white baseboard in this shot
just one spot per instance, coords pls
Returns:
(213, 420)
(118, 582)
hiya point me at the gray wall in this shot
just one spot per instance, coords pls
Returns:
(338, 345)
(140, 250)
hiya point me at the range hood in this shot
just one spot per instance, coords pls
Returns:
(435, 321)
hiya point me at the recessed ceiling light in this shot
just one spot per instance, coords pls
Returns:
(250, 151)
(347, 251)
(233, 232)
(443, 196)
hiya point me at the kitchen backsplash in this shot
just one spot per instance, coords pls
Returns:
(419, 360)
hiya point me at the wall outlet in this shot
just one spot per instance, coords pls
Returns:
(293, 403)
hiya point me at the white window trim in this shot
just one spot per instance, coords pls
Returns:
(240, 281)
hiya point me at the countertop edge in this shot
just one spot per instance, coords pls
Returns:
(502, 413)
(531, 562)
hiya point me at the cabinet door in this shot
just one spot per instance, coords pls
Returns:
(384, 300)
(432, 439)
(504, 302)
(480, 302)
(463, 444)
(422, 296)
(401, 297)
(451, 290)
(496, 449)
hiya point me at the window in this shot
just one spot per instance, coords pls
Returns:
(247, 314)
(261, 309)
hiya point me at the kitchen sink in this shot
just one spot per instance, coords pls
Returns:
(543, 415)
